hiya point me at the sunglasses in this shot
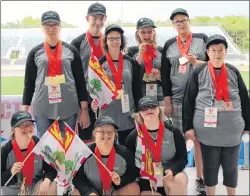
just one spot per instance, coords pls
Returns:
(145, 108)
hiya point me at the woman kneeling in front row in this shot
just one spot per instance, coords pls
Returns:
(93, 179)
(160, 152)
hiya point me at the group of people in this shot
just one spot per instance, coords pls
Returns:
(187, 80)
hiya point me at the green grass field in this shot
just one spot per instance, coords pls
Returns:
(14, 85)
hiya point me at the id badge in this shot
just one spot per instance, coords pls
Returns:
(54, 94)
(158, 173)
(125, 103)
(151, 90)
(60, 79)
(182, 68)
(146, 77)
(183, 60)
(50, 81)
(210, 117)
(228, 105)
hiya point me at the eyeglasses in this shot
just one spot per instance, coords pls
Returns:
(26, 124)
(179, 22)
(145, 108)
(114, 39)
(146, 32)
(105, 132)
(53, 26)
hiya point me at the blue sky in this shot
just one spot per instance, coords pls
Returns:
(74, 12)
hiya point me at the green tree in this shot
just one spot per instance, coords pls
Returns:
(59, 156)
(95, 87)
(68, 166)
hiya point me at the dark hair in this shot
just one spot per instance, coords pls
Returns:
(123, 42)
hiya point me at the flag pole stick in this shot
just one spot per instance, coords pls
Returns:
(22, 163)
(25, 159)
(151, 187)
(91, 151)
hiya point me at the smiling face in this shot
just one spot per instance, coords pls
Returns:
(181, 24)
(146, 34)
(217, 53)
(105, 134)
(114, 41)
(51, 30)
(25, 130)
(149, 113)
(96, 22)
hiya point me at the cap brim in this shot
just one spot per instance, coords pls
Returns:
(149, 104)
(104, 123)
(114, 29)
(96, 13)
(181, 13)
(21, 121)
(143, 26)
(51, 20)
(217, 41)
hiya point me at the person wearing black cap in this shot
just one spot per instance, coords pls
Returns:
(93, 179)
(180, 56)
(35, 173)
(123, 71)
(160, 151)
(216, 112)
(148, 55)
(90, 43)
(53, 80)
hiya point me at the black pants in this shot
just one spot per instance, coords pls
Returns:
(86, 134)
(227, 157)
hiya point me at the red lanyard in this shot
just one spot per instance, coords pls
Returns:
(104, 174)
(184, 48)
(220, 82)
(96, 50)
(148, 56)
(117, 75)
(54, 59)
(28, 168)
(156, 149)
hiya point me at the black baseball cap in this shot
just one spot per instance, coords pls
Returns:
(178, 11)
(20, 117)
(96, 9)
(103, 120)
(147, 101)
(113, 27)
(216, 39)
(145, 22)
(50, 16)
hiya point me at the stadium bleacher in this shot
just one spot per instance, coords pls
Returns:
(29, 38)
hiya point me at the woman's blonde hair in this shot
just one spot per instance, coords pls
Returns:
(12, 135)
(139, 120)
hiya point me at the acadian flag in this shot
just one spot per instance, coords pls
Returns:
(76, 152)
(51, 149)
(143, 159)
(99, 86)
